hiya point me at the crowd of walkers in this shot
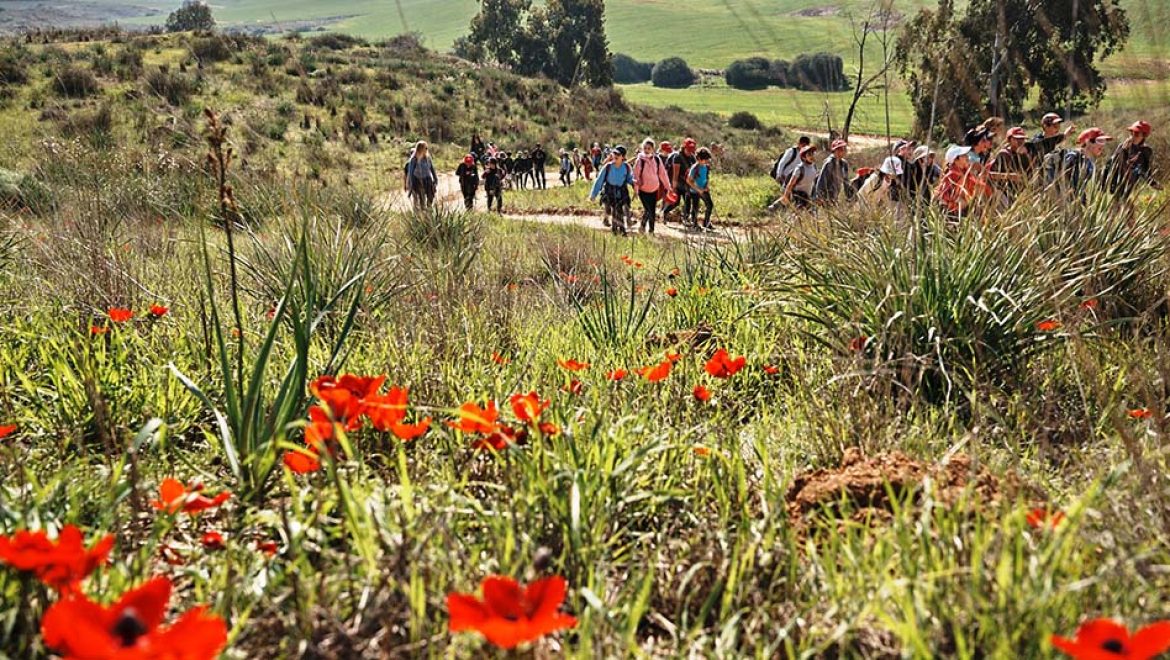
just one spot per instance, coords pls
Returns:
(991, 168)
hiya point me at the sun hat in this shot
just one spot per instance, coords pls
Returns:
(901, 143)
(1050, 119)
(812, 148)
(1140, 127)
(1017, 133)
(838, 144)
(955, 152)
(1093, 134)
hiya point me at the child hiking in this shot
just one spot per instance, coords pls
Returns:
(652, 183)
(493, 185)
(421, 180)
(699, 186)
(468, 175)
(613, 184)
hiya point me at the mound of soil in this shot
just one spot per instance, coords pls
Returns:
(868, 486)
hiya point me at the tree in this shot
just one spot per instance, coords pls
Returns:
(878, 19)
(629, 71)
(193, 15)
(497, 27)
(674, 73)
(564, 39)
(580, 50)
(752, 73)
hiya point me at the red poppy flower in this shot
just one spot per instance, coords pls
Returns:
(1043, 518)
(158, 311)
(574, 387)
(1049, 325)
(771, 369)
(359, 386)
(301, 463)
(672, 292)
(7, 430)
(132, 627)
(528, 407)
(1101, 639)
(61, 563)
(701, 393)
(499, 439)
(722, 365)
(656, 372)
(617, 374)
(1091, 303)
(509, 614)
(573, 365)
(473, 419)
(98, 329)
(405, 432)
(386, 410)
(499, 359)
(701, 451)
(119, 314)
(213, 540)
(549, 428)
(673, 356)
(174, 497)
(269, 548)
(1141, 413)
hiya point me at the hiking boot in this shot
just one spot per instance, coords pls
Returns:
(605, 220)
(708, 227)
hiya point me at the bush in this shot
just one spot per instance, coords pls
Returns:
(335, 41)
(628, 71)
(673, 73)
(18, 191)
(75, 83)
(745, 120)
(752, 73)
(822, 72)
(191, 16)
(176, 88)
(211, 49)
(12, 71)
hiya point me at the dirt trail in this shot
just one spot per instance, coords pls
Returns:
(449, 196)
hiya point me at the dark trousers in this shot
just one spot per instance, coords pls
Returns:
(423, 192)
(649, 208)
(468, 196)
(565, 176)
(499, 197)
(538, 176)
(682, 200)
(692, 209)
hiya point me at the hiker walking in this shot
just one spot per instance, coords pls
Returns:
(699, 186)
(799, 191)
(613, 184)
(833, 180)
(1011, 168)
(922, 174)
(478, 148)
(651, 182)
(421, 180)
(961, 186)
(493, 184)
(539, 157)
(468, 174)
(1131, 163)
(677, 166)
(1077, 168)
(893, 170)
(1051, 134)
(783, 167)
(586, 165)
(566, 168)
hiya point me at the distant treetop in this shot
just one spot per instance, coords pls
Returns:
(192, 16)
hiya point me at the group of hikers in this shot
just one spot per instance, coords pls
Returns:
(975, 174)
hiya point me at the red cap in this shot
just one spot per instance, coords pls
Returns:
(1092, 135)
(808, 150)
(1017, 133)
(665, 146)
(689, 143)
(1140, 127)
(469, 159)
(838, 144)
(864, 171)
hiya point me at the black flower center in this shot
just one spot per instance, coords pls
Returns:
(128, 628)
(1114, 646)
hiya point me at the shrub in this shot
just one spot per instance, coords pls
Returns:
(19, 191)
(191, 16)
(96, 126)
(628, 71)
(820, 72)
(12, 71)
(211, 49)
(673, 73)
(752, 73)
(176, 88)
(745, 120)
(335, 41)
(75, 83)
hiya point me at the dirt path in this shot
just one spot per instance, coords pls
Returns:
(449, 196)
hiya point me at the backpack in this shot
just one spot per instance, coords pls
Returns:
(610, 192)
(1055, 164)
(784, 161)
(691, 173)
(642, 169)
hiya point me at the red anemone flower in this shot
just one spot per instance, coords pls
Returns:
(345, 408)
(617, 374)
(722, 365)
(98, 329)
(1101, 639)
(359, 386)
(573, 365)
(509, 614)
(771, 369)
(574, 387)
(406, 432)
(213, 540)
(500, 359)
(159, 311)
(673, 356)
(548, 428)
(701, 451)
(857, 344)
(701, 393)
(1039, 518)
(1049, 325)
(76, 627)
(656, 372)
(528, 407)
(7, 430)
(301, 463)
(321, 430)
(174, 497)
(499, 439)
(386, 410)
(473, 419)
(119, 314)
(61, 563)
(1141, 413)
(672, 292)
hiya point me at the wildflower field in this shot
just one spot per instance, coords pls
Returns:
(249, 413)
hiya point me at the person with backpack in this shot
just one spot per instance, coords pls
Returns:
(783, 166)
(799, 191)
(677, 167)
(1077, 169)
(566, 168)
(493, 184)
(421, 179)
(1051, 134)
(699, 186)
(651, 182)
(893, 169)
(961, 187)
(922, 174)
(1132, 163)
(539, 157)
(1012, 168)
(477, 146)
(833, 179)
(468, 174)
(613, 184)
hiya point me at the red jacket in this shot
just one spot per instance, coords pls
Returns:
(957, 191)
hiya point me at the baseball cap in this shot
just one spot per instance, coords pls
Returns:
(1141, 127)
(808, 150)
(864, 171)
(976, 135)
(620, 150)
(1017, 133)
(469, 159)
(665, 146)
(1050, 119)
(955, 151)
(838, 144)
(902, 143)
(921, 152)
(689, 143)
(1093, 134)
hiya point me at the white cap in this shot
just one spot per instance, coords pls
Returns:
(955, 151)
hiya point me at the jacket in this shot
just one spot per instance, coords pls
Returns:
(650, 174)
(613, 176)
